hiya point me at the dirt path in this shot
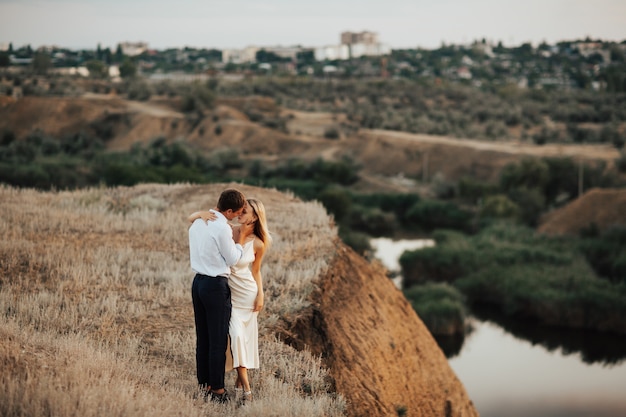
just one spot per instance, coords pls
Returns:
(310, 127)
(144, 107)
(597, 152)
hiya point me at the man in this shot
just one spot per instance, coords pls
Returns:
(212, 252)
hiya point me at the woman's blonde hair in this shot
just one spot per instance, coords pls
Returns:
(260, 227)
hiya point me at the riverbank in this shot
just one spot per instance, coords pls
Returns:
(550, 280)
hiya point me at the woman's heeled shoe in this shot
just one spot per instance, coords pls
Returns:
(247, 397)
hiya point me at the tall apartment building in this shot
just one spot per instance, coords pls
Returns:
(351, 38)
(353, 45)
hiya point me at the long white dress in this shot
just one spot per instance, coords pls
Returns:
(243, 328)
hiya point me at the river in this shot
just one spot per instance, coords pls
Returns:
(513, 369)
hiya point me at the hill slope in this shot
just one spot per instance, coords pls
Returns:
(384, 153)
(601, 208)
(94, 288)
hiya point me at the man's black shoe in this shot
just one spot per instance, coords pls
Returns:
(219, 398)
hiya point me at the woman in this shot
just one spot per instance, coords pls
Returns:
(246, 286)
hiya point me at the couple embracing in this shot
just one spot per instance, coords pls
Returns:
(227, 290)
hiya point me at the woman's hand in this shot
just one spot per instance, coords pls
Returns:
(258, 302)
(205, 215)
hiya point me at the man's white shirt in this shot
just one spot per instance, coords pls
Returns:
(212, 250)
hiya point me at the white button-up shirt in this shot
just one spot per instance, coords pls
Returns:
(212, 250)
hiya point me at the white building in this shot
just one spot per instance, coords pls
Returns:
(368, 49)
(240, 56)
(133, 48)
(332, 52)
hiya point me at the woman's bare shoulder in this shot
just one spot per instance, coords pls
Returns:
(258, 243)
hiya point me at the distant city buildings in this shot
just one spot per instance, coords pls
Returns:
(353, 45)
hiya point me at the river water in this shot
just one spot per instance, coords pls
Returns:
(513, 369)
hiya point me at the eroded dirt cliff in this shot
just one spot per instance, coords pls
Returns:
(599, 208)
(381, 356)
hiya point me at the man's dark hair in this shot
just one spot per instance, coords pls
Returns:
(231, 199)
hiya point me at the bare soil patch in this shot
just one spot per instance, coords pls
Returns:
(601, 208)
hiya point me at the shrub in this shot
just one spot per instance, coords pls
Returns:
(398, 203)
(606, 253)
(139, 90)
(337, 201)
(8, 137)
(372, 221)
(611, 134)
(531, 204)
(331, 133)
(360, 242)
(305, 189)
(473, 190)
(435, 264)
(562, 184)
(529, 173)
(499, 207)
(431, 214)
(30, 176)
(196, 98)
(343, 172)
(440, 306)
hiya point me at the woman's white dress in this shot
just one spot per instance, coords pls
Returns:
(243, 329)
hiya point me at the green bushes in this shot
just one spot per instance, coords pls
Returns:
(331, 132)
(398, 203)
(372, 221)
(429, 215)
(440, 306)
(423, 106)
(499, 207)
(343, 172)
(532, 276)
(196, 97)
(139, 90)
(564, 296)
(358, 241)
(336, 201)
(606, 253)
(473, 191)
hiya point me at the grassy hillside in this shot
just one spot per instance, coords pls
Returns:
(96, 306)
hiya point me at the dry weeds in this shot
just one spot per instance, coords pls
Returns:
(96, 307)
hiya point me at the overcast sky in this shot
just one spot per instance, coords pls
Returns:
(238, 23)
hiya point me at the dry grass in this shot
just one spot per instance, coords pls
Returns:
(96, 306)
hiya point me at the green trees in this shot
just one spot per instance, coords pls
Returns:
(128, 69)
(4, 60)
(197, 97)
(119, 54)
(97, 69)
(41, 62)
